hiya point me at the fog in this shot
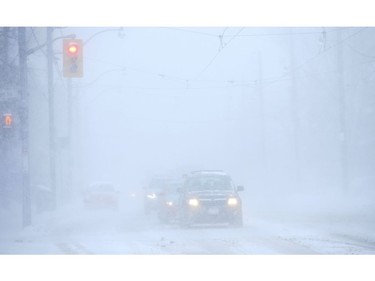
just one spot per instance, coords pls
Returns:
(268, 105)
(288, 113)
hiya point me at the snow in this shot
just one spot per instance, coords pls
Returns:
(75, 230)
(288, 119)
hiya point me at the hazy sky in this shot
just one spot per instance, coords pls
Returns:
(172, 98)
(168, 100)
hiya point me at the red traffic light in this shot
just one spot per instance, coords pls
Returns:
(72, 49)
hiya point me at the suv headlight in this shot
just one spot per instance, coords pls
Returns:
(232, 201)
(193, 202)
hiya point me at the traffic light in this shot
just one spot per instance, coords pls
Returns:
(72, 58)
(7, 120)
(6, 128)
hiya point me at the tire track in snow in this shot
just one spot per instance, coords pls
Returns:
(73, 248)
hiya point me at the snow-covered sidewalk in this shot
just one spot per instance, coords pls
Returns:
(346, 226)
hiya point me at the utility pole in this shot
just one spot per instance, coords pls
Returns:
(294, 113)
(342, 111)
(70, 136)
(262, 120)
(5, 49)
(51, 105)
(24, 118)
(24, 121)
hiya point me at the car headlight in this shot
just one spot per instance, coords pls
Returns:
(151, 196)
(193, 202)
(232, 201)
(169, 203)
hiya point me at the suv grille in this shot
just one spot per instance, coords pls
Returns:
(217, 202)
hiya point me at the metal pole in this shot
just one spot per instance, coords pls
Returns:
(24, 118)
(70, 137)
(5, 48)
(294, 103)
(51, 103)
(263, 123)
(342, 107)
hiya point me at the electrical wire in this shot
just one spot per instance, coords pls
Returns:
(265, 82)
(161, 75)
(217, 54)
(359, 52)
(232, 83)
(191, 31)
(189, 80)
(257, 34)
(319, 53)
(287, 33)
(37, 42)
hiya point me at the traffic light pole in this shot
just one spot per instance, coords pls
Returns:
(24, 118)
(70, 138)
(342, 111)
(51, 112)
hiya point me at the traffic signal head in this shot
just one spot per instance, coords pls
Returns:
(72, 58)
(7, 120)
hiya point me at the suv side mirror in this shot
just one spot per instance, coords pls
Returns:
(240, 188)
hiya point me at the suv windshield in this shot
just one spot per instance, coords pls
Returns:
(209, 182)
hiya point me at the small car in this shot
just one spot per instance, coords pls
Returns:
(210, 197)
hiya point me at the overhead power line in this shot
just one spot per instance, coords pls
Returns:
(218, 53)
(230, 83)
(319, 53)
(334, 29)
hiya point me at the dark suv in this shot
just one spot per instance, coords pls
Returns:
(210, 197)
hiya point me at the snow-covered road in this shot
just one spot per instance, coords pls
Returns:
(79, 231)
